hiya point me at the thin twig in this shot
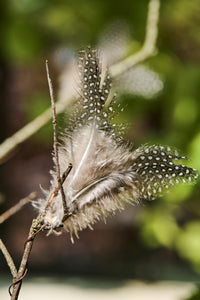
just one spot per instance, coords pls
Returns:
(8, 258)
(146, 51)
(55, 192)
(14, 209)
(55, 143)
(64, 176)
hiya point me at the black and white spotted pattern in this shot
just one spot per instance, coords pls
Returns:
(106, 174)
(158, 172)
(94, 89)
(154, 164)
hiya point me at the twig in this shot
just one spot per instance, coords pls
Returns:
(55, 192)
(55, 142)
(149, 45)
(11, 211)
(9, 259)
(35, 228)
(146, 51)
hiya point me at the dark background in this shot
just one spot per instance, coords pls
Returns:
(158, 240)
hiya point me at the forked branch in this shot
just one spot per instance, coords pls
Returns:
(36, 226)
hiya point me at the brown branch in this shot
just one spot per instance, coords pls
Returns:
(14, 209)
(146, 51)
(8, 259)
(36, 227)
(17, 284)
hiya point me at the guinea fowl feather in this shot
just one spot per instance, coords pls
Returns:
(106, 174)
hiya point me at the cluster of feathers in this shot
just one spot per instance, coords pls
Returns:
(106, 174)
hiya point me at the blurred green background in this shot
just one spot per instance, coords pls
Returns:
(158, 240)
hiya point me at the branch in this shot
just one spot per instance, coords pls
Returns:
(149, 46)
(17, 282)
(11, 211)
(36, 227)
(146, 51)
(8, 258)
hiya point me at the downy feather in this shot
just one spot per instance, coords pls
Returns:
(106, 174)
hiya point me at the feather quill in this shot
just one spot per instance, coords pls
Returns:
(106, 174)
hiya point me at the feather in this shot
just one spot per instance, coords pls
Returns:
(106, 174)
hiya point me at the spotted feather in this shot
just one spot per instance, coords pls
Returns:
(106, 174)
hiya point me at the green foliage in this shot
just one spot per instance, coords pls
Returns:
(195, 150)
(159, 228)
(188, 243)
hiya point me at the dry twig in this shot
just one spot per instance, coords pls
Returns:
(56, 190)
(8, 258)
(36, 227)
(55, 143)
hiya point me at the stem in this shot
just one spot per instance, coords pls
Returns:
(55, 143)
(23, 266)
(55, 192)
(9, 259)
(149, 46)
